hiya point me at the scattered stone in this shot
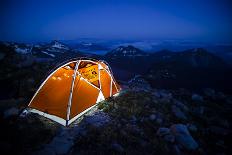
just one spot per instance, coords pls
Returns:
(196, 97)
(11, 112)
(178, 113)
(24, 113)
(183, 136)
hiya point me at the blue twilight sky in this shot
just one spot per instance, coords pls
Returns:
(41, 20)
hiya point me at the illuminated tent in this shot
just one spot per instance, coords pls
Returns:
(72, 89)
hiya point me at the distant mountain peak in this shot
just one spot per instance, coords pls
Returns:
(126, 51)
(58, 45)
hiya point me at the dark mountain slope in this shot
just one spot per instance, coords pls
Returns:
(195, 68)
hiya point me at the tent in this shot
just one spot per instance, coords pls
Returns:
(72, 89)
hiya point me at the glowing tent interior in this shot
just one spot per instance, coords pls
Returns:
(72, 89)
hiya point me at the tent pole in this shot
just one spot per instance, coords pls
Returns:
(71, 92)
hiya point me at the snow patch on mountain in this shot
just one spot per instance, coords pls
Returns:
(52, 55)
(57, 45)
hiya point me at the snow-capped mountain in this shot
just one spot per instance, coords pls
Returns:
(56, 46)
(41, 52)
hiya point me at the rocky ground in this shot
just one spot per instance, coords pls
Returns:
(140, 120)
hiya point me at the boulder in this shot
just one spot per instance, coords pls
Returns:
(183, 136)
(178, 113)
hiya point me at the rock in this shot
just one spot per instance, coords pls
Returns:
(169, 138)
(117, 147)
(178, 113)
(11, 112)
(196, 97)
(183, 136)
(163, 131)
(24, 113)
(181, 105)
(152, 117)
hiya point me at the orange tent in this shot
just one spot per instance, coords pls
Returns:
(72, 89)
